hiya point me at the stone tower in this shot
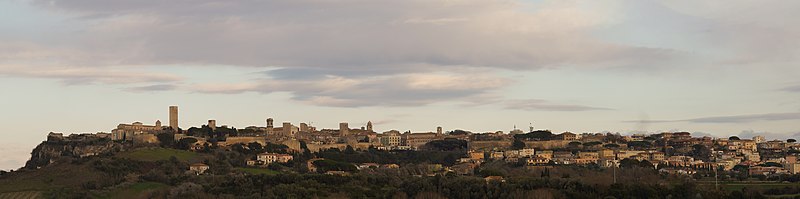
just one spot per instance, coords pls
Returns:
(369, 126)
(304, 127)
(344, 129)
(287, 129)
(439, 131)
(158, 123)
(212, 124)
(173, 117)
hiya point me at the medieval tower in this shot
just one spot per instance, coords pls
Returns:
(173, 117)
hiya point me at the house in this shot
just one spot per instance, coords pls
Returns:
(269, 158)
(368, 166)
(338, 173)
(390, 166)
(567, 136)
(198, 168)
(537, 161)
(526, 152)
(464, 168)
(759, 170)
(476, 156)
(494, 178)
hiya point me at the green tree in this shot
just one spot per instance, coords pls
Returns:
(518, 144)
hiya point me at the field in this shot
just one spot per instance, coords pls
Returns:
(49, 178)
(137, 190)
(257, 171)
(21, 195)
(736, 185)
(155, 154)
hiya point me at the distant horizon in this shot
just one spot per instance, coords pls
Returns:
(716, 68)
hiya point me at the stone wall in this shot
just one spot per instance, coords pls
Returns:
(547, 145)
(489, 145)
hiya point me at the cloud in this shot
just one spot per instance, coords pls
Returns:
(752, 33)
(75, 75)
(71, 67)
(702, 134)
(792, 89)
(543, 105)
(748, 118)
(747, 134)
(385, 90)
(156, 87)
(731, 119)
(351, 34)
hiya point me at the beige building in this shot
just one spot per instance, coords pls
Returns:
(416, 140)
(128, 131)
(198, 168)
(269, 158)
(391, 138)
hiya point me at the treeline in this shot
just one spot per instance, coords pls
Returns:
(447, 186)
(372, 155)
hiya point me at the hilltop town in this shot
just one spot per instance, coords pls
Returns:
(210, 155)
(676, 152)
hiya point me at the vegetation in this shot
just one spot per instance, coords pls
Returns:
(135, 190)
(535, 135)
(258, 171)
(155, 154)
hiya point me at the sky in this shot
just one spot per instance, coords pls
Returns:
(713, 67)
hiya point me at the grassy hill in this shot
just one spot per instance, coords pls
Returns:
(36, 182)
(155, 154)
(258, 171)
(136, 190)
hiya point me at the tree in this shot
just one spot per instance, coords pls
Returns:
(255, 147)
(591, 144)
(628, 163)
(701, 151)
(459, 132)
(574, 145)
(771, 164)
(740, 168)
(447, 144)
(611, 145)
(734, 138)
(349, 150)
(646, 164)
(166, 139)
(791, 140)
(186, 143)
(536, 135)
(518, 144)
(640, 144)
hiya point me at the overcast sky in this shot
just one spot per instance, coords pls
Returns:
(712, 67)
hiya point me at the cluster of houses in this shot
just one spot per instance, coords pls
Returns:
(677, 150)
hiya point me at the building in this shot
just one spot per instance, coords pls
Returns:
(415, 140)
(212, 124)
(758, 170)
(759, 139)
(390, 138)
(270, 126)
(198, 168)
(369, 126)
(269, 158)
(568, 136)
(127, 131)
(173, 118)
(344, 129)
